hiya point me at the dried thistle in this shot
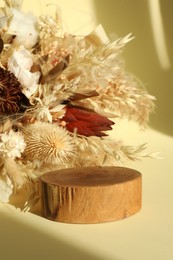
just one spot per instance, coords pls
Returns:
(47, 143)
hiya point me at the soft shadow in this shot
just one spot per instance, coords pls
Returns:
(121, 17)
(23, 242)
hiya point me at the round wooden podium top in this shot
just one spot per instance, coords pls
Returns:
(90, 176)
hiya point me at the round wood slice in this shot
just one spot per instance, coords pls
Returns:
(91, 194)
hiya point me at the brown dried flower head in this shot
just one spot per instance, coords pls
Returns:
(10, 93)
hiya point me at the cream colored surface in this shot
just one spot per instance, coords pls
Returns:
(148, 235)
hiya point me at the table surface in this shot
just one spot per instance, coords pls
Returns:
(147, 235)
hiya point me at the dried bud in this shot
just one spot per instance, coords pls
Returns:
(86, 122)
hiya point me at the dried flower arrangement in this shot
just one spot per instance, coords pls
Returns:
(57, 94)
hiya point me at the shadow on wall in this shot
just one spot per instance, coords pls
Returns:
(150, 55)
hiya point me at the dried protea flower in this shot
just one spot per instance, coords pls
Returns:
(86, 122)
(11, 95)
(47, 143)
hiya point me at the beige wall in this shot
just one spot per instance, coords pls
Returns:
(123, 16)
(78, 16)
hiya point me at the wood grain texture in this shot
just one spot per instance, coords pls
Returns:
(91, 194)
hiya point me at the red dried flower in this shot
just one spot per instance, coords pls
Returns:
(86, 122)
(11, 95)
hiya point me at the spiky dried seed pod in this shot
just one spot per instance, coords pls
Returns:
(47, 143)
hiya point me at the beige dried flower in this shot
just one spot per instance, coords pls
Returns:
(47, 143)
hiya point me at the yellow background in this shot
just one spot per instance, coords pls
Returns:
(147, 235)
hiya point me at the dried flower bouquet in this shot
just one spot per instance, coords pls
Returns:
(58, 93)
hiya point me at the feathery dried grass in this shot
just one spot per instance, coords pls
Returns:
(124, 97)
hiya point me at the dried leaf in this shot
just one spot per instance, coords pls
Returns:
(97, 37)
(78, 96)
(5, 125)
(1, 45)
(56, 71)
(35, 68)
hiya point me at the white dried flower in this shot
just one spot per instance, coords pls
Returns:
(20, 64)
(47, 104)
(47, 143)
(12, 144)
(24, 27)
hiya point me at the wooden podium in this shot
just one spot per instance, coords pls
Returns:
(91, 194)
